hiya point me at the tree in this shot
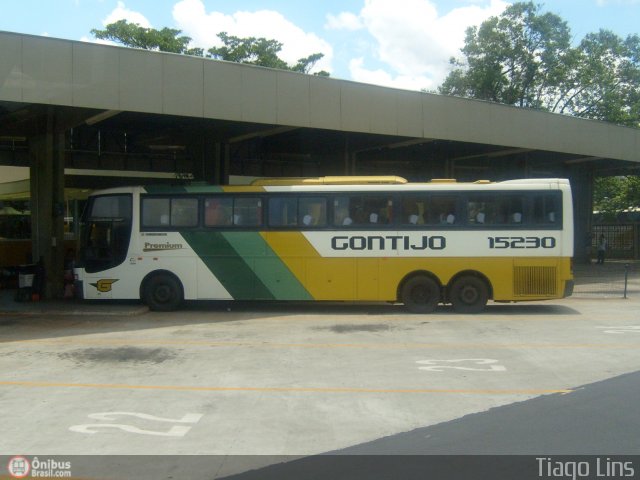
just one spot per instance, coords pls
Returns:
(256, 51)
(613, 195)
(260, 51)
(524, 58)
(135, 36)
(604, 82)
(512, 59)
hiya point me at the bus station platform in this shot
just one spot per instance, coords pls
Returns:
(67, 307)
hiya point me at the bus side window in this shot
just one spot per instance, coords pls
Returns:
(283, 212)
(546, 209)
(154, 211)
(312, 211)
(247, 211)
(412, 210)
(495, 209)
(341, 214)
(217, 211)
(480, 211)
(168, 212)
(184, 212)
(442, 210)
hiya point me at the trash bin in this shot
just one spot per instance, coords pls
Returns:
(26, 274)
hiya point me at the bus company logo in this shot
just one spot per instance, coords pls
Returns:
(157, 247)
(19, 467)
(104, 285)
(388, 242)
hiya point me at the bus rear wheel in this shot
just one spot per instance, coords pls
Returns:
(469, 294)
(163, 293)
(420, 294)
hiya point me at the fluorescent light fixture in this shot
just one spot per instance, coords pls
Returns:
(101, 116)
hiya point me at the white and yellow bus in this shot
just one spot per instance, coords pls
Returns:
(331, 239)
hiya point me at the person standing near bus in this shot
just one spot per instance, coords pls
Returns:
(602, 249)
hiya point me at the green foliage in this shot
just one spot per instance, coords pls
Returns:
(259, 51)
(252, 50)
(133, 35)
(613, 195)
(524, 58)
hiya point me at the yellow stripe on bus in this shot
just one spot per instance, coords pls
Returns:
(378, 278)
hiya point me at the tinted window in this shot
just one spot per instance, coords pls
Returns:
(495, 210)
(247, 211)
(111, 206)
(424, 209)
(218, 211)
(297, 211)
(442, 210)
(362, 210)
(547, 209)
(169, 212)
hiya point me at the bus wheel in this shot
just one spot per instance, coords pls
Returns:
(469, 294)
(420, 294)
(162, 293)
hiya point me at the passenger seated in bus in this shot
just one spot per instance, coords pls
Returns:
(342, 216)
(216, 213)
(360, 217)
(447, 218)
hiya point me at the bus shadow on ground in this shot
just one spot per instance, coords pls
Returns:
(371, 309)
(102, 317)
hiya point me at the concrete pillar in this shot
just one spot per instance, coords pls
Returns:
(581, 179)
(47, 203)
(205, 152)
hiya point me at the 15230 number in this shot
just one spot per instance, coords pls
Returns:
(522, 242)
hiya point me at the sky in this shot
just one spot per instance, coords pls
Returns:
(399, 43)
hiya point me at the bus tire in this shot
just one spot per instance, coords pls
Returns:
(469, 294)
(420, 294)
(163, 293)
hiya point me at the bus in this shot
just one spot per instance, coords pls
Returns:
(353, 239)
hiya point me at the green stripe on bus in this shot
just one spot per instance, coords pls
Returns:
(268, 266)
(227, 266)
(246, 266)
(203, 189)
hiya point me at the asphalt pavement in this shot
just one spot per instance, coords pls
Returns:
(251, 390)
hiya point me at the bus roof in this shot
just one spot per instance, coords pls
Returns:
(345, 184)
(333, 180)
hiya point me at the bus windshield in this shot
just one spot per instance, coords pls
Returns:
(105, 232)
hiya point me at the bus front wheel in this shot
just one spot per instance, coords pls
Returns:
(420, 294)
(469, 294)
(163, 293)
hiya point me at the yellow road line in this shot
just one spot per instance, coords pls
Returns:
(197, 343)
(195, 388)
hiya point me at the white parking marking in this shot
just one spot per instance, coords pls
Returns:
(174, 431)
(439, 365)
(109, 417)
(622, 329)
